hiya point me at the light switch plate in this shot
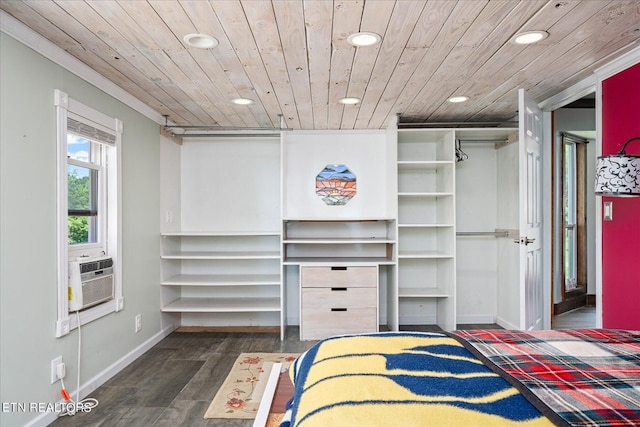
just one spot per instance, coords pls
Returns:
(607, 213)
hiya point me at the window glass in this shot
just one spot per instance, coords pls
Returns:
(82, 190)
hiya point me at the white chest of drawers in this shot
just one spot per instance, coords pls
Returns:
(338, 300)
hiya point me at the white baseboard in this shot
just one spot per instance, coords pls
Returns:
(91, 385)
(418, 320)
(505, 324)
(467, 320)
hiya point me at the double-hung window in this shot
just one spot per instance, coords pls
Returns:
(88, 202)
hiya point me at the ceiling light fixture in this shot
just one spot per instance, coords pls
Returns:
(349, 101)
(364, 38)
(456, 99)
(242, 101)
(201, 41)
(529, 37)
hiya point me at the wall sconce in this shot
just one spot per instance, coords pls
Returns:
(618, 174)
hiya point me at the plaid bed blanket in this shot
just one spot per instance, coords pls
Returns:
(588, 377)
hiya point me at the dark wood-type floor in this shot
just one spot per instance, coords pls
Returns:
(173, 383)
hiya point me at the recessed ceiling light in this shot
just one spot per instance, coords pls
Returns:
(364, 38)
(242, 101)
(349, 101)
(461, 98)
(529, 37)
(201, 41)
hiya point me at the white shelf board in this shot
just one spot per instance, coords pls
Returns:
(423, 164)
(222, 305)
(423, 225)
(338, 240)
(223, 280)
(424, 254)
(421, 293)
(324, 219)
(222, 233)
(338, 261)
(223, 255)
(426, 194)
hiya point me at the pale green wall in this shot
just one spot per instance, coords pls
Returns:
(28, 232)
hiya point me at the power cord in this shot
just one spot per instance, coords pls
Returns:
(84, 405)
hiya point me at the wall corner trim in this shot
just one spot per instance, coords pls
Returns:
(620, 64)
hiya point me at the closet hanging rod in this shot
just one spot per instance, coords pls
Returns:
(483, 233)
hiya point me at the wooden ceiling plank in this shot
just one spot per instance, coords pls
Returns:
(424, 33)
(441, 85)
(200, 64)
(151, 72)
(497, 23)
(375, 18)
(242, 45)
(163, 48)
(512, 59)
(452, 48)
(89, 48)
(290, 20)
(220, 64)
(279, 95)
(564, 45)
(403, 19)
(346, 21)
(452, 30)
(318, 17)
(616, 31)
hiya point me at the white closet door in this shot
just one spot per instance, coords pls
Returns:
(530, 212)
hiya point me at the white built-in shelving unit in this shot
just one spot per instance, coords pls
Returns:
(221, 272)
(277, 245)
(426, 227)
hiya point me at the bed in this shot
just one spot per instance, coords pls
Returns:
(587, 377)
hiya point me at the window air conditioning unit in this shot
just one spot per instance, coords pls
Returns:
(90, 282)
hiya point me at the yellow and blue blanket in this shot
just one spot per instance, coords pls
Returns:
(401, 379)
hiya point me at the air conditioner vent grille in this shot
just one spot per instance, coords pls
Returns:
(86, 267)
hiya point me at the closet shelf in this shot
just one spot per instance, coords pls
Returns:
(221, 233)
(223, 280)
(339, 240)
(424, 255)
(424, 225)
(338, 262)
(223, 255)
(422, 293)
(426, 194)
(222, 305)
(423, 164)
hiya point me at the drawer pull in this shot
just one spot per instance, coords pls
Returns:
(338, 289)
(339, 268)
(338, 309)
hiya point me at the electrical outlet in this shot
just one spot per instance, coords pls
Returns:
(138, 322)
(54, 368)
(62, 328)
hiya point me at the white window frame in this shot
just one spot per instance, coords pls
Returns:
(569, 218)
(109, 232)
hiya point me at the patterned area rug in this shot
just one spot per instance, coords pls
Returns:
(240, 394)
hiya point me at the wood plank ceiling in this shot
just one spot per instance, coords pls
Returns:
(292, 58)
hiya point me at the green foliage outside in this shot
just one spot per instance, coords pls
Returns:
(78, 189)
